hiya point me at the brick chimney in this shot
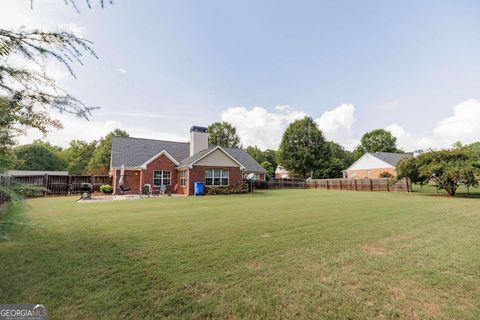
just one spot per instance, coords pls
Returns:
(198, 139)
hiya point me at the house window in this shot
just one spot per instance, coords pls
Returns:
(216, 177)
(161, 178)
(183, 178)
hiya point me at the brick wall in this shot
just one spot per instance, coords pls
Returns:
(131, 180)
(197, 174)
(161, 163)
(371, 174)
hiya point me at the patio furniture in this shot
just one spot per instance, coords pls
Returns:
(125, 190)
(163, 190)
(146, 190)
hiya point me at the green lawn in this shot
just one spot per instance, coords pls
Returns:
(275, 254)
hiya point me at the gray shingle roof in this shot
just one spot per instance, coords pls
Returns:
(196, 156)
(390, 158)
(245, 159)
(133, 152)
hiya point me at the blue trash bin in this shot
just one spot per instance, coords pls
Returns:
(199, 188)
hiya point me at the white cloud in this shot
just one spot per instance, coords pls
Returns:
(259, 126)
(337, 124)
(463, 125)
(77, 128)
(408, 142)
(264, 128)
(122, 70)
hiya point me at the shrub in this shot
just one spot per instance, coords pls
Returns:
(106, 188)
(232, 189)
(385, 174)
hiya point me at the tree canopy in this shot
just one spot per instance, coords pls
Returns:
(339, 159)
(303, 149)
(223, 134)
(261, 156)
(448, 169)
(100, 161)
(378, 140)
(39, 156)
(78, 156)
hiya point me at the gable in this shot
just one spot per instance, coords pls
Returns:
(217, 158)
(134, 152)
(162, 153)
(368, 162)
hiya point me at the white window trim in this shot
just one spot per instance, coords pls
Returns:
(161, 178)
(184, 173)
(221, 177)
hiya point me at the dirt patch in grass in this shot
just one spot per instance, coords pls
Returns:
(420, 304)
(375, 249)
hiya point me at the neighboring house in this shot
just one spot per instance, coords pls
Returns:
(179, 164)
(372, 164)
(25, 173)
(281, 173)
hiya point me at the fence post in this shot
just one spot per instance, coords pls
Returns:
(341, 186)
(356, 189)
(45, 184)
(371, 184)
(388, 186)
(327, 183)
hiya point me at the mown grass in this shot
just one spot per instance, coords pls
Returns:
(275, 254)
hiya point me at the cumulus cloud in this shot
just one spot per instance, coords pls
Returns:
(337, 124)
(407, 141)
(76, 128)
(261, 127)
(264, 128)
(463, 125)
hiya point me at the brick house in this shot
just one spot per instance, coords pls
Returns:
(179, 164)
(372, 164)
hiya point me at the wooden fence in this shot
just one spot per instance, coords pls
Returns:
(382, 184)
(53, 185)
(4, 182)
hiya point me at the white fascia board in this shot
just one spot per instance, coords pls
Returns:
(225, 152)
(163, 152)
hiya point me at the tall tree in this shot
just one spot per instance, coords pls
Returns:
(78, 155)
(378, 140)
(100, 161)
(339, 159)
(260, 156)
(303, 149)
(39, 156)
(223, 134)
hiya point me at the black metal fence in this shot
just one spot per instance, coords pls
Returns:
(55, 185)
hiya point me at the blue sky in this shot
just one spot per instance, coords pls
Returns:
(410, 66)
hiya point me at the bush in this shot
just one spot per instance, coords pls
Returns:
(385, 174)
(106, 188)
(233, 189)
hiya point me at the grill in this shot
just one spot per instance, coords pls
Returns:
(86, 189)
